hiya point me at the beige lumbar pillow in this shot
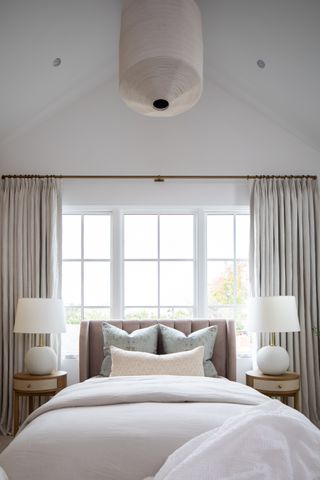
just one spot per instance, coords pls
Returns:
(126, 363)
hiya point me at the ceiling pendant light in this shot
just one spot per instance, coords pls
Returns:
(160, 56)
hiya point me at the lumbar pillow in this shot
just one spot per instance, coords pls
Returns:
(143, 340)
(176, 341)
(125, 363)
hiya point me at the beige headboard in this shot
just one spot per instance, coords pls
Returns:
(91, 342)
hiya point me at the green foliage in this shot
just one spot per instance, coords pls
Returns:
(141, 314)
(171, 313)
(176, 313)
(221, 289)
(73, 314)
(241, 320)
(96, 314)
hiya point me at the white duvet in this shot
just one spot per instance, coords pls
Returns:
(123, 428)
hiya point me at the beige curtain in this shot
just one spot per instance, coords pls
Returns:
(285, 260)
(30, 262)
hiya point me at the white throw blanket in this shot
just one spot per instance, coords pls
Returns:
(3, 475)
(270, 441)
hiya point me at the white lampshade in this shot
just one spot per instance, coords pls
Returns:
(273, 314)
(160, 56)
(40, 315)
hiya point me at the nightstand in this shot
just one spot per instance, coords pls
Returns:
(283, 386)
(27, 385)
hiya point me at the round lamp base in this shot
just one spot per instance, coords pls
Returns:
(273, 360)
(41, 361)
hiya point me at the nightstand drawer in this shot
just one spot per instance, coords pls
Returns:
(276, 385)
(32, 385)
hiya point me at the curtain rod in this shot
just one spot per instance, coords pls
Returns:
(161, 178)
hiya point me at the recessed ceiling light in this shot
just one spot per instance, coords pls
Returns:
(261, 63)
(56, 62)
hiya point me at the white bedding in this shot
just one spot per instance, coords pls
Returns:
(121, 428)
(282, 444)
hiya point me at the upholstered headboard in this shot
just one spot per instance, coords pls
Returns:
(91, 342)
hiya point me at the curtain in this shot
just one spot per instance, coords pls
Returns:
(285, 260)
(30, 262)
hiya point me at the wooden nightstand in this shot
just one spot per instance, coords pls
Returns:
(283, 386)
(27, 385)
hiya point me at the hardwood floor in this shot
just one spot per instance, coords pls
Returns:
(4, 442)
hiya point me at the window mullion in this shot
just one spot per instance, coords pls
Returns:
(82, 267)
(234, 267)
(117, 265)
(201, 300)
(158, 266)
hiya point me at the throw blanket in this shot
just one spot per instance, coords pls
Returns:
(271, 441)
(3, 475)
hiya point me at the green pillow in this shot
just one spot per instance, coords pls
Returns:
(175, 341)
(142, 340)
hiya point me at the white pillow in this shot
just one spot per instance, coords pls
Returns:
(126, 363)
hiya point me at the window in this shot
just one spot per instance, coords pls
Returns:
(155, 265)
(228, 272)
(85, 272)
(158, 266)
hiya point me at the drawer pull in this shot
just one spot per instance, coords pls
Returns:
(29, 385)
(279, 386)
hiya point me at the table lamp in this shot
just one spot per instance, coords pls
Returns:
(273, 315)
(40, 316)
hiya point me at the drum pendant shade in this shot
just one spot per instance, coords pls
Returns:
(160, 56)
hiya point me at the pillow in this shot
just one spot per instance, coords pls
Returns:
(176, 341)
(126, 363)
(143, 340)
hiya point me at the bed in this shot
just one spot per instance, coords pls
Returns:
(160, 427)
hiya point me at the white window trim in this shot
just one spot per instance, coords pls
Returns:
(201, 307)
(158, 212)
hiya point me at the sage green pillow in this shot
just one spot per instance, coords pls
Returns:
(142, 340)
(175, 341)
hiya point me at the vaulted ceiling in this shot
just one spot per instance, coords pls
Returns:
(285, 34)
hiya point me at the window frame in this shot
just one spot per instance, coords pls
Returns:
(234, 306)
(201, 307)
(82, 260)
(158, 260)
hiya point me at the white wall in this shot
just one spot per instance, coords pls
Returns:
(98, 134)
(71, 366)
(243, 365)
